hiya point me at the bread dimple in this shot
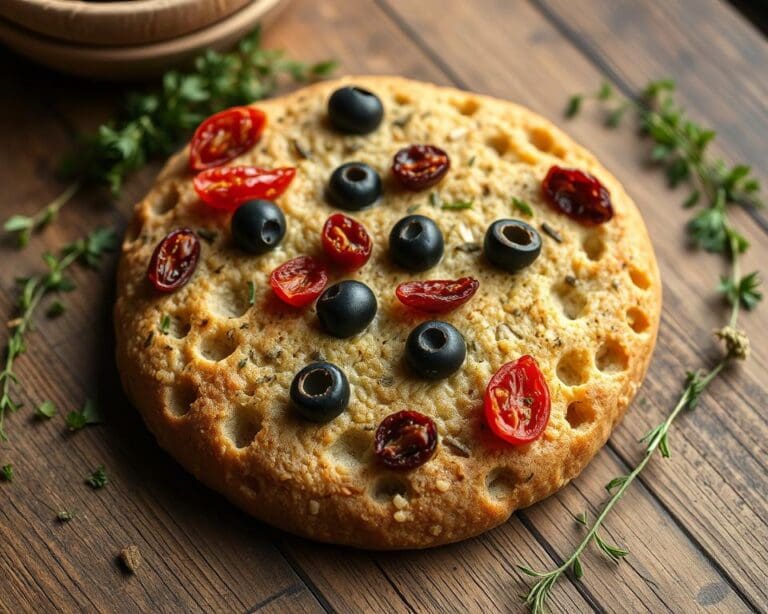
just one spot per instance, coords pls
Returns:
(214, 388)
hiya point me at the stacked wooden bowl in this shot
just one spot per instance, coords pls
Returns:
(126, 39)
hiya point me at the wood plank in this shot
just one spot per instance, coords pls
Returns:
(542, 74)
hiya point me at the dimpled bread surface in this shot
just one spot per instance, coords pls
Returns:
(214, 388)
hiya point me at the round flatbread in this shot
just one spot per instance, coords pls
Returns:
(210, 372)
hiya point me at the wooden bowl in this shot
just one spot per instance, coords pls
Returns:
(137, 61)
(127, 22)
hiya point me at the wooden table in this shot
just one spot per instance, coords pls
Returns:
(696, 525)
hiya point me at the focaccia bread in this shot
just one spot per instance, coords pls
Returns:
(210, 365)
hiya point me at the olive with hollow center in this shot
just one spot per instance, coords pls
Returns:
(355, 110)
(354, 186)
(416, 243)
(512, 244)
(346, 308)
(435, 349)
(258, 226)
(320, 392)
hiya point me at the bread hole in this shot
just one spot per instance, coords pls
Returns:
(541, 139)
(612, 357)
(573, 367)
(637, 320)
(639, 278)
(229, 301)
(166, 200)
(402, 98)
(594, 246)
(351, 448)
(580, 413)
(242, 425)
(500, 143)
(217, 345)
(500, 484)
(466, 106)
(178, 327)
(179, 398)
(386, 487)
(134, 229)
(572, 301)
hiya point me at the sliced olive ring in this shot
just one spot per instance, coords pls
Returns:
(320, 392)
(405, 440)
(512, 244)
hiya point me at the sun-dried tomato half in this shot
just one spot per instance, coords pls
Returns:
(420, 166)
(300, 281)
(229, 186)
(405, 440)
(517, 401)
(346, 242)
(224, 136)
(174, 260)
(578, 195)
(437, 295)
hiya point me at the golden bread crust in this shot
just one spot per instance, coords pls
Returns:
(214, 388)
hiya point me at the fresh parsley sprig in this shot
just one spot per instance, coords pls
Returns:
(680, 145)
(152, 124)
(87, 251)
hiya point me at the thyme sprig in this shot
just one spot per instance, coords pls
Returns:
(152, 124)
(680, 146)
(33, 289)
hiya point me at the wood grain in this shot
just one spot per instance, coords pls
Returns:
(696, 524)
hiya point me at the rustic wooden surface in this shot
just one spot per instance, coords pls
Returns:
(697, 524)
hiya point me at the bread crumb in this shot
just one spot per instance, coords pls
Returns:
(442, 485)
(130, 557)
(314, 507)
(435, 529)
(400, 501)
(457, 133)
(400, 516)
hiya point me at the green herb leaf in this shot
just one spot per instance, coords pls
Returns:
(251, 293)
(66, 515)
(17, 223)
(165, 324)
(745, 291)
(434, 199)
(458, 204)
(45, 410)
(605, 91)
(79, 419)
(614, 552)
(6, 471)
(522, 206)
(55, 309)
(615, 482)
(578, 572)
(98, 479)
(574, 105)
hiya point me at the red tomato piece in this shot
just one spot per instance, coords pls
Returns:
(517, 401)
(224, 136)
(174, 260)
(420, 166)
(578, 195)
(346, 242)
(230, 186)
(300, 281)
(437, 295)
(405, 440)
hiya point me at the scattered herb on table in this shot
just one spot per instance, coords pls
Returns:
(87, 251)
(680, 146)
(6, 471)
(46, 410)
(98, 479)
(55, 309)
(66, 515)
(88, 415)
(152, 124)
